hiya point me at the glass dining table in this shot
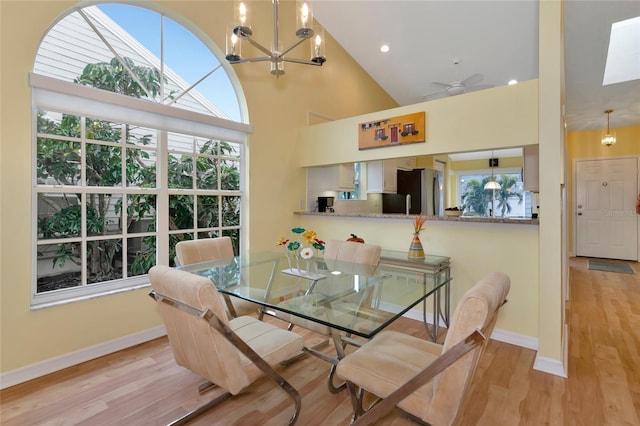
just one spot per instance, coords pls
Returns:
(357, 299)
(350, 299)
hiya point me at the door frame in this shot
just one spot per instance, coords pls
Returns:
(574, 197)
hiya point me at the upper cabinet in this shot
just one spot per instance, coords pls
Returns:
(531, 165)
(331, 178)
(382, 177)
(407, 163)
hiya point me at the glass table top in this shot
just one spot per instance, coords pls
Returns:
(355, 298)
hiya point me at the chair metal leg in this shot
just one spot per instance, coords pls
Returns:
(337, 341)
(333, 388)
(219, 325)
(206, 386)
(356, 400)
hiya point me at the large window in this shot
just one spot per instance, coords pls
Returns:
(355, 194)
(509, 201)
(119, 180)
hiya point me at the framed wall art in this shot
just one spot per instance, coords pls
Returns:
(404, 129)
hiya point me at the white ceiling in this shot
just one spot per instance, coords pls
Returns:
(497, 39)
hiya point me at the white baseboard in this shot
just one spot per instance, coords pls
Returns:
(512, 338)
(549, 365)
(555, 366)
(39, 369)
(527, 342)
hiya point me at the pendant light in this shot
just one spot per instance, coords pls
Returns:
(492, 184)
(608, 138)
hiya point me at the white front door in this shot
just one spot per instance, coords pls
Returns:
(606, 221)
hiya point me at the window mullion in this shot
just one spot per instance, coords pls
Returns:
(83, 202)
(124, 218)
(162, 200)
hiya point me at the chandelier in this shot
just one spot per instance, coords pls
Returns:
(608, 138)
(241, 31)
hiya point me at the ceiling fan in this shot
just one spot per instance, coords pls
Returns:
(469, 84)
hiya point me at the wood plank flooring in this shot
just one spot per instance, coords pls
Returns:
(143, 385)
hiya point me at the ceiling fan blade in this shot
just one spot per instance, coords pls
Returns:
(437, 83)
(472, 80)
(433, 95)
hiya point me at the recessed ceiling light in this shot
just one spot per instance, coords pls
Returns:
(512, 82)
(384, 48)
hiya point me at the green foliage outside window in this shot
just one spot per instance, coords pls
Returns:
(59, 160)
(477, 201)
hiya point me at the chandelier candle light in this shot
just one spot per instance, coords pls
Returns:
(241, 30)
(416, 252)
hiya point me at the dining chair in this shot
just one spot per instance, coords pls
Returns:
(347, 257)
(195, 251)
(351, 251)
(231, 354)
(426, 381)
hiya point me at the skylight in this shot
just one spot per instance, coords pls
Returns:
(623, 59)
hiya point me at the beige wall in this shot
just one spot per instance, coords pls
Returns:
(455, 124)
(276, 108)
(552, 258)
(475, 250)
(586, 145)
(529, 113)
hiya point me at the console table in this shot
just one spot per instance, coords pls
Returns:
(438, 268)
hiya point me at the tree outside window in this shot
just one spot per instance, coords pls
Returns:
(86, 220)
(477, 201)
(108, 208)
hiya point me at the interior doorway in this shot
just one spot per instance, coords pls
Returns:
(605, 217)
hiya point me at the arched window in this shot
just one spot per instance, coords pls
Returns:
(138, 144)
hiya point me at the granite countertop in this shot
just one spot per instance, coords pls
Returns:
(464, 219)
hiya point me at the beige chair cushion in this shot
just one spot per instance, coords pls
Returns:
(196, 251)
(390, 359)
(273, 344)
(201, 348)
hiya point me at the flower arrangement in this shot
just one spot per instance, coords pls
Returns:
(418, 223)
(302, 247)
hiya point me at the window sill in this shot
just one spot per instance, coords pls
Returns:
(43, 304)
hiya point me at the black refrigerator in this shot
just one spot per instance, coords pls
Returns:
(425, 188)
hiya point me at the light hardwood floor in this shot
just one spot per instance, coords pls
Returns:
(143, 385)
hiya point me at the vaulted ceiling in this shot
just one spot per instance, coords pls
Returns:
(496, 39)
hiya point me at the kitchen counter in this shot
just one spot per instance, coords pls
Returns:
(464, 219)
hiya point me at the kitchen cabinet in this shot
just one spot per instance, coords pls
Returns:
(530, 169)
(406, 163)
(331, 178)
(382, 177)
